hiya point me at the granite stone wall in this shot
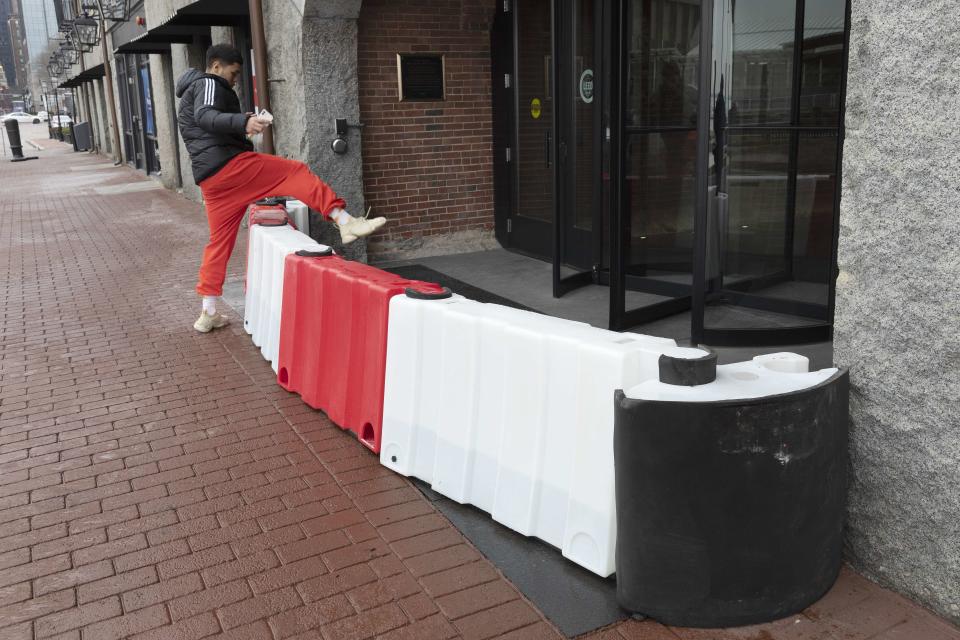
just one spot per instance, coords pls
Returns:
(428, 164)
(183, 57)
(161, 75)
(312, 59)
(898, 296)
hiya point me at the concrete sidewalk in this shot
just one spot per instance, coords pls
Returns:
(157, 483)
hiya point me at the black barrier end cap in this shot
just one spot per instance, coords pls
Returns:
(303, 253)
(428, 295)
(688, 372)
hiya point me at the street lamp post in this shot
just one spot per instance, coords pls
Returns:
(84, 92)
(55, 68)
(88, 30)
(58, 129)
(45, 91)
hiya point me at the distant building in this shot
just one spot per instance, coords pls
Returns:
(39, 18)
(6, 45)
(18, 73)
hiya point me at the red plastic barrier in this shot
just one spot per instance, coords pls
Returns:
(333, 338)
(269, 215)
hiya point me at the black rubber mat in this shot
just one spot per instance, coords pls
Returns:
(420, 272)
(572, 598)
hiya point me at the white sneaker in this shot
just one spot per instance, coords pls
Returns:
(207, 323)
(359, 228)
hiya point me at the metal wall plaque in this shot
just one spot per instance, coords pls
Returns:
(420, 76)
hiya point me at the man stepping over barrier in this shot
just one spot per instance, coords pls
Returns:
(215, 131)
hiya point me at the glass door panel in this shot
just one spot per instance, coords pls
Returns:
(150, 145)
(771, 220)
(532, 224)
(580, 146)
(586, 110)
(824, 58)
(652, 251)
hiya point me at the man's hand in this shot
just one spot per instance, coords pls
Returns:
(254, 126)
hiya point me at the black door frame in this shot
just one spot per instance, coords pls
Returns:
(566, 237)
(127, 110)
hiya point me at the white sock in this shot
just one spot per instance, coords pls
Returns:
(340, 216)
(210, 304)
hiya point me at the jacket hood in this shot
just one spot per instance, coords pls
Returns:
(186, 80)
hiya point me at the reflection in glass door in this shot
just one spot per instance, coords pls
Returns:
(776, 134)
(654, 160)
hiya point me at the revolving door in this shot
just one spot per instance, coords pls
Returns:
(725, 201)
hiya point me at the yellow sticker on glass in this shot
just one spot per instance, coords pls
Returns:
(535, 109)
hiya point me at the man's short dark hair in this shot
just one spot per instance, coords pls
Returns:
(225, 53)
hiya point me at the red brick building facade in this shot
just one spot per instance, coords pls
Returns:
(427, 165)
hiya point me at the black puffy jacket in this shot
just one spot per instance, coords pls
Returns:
(212, 124)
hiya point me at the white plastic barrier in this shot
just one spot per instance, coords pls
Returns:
(299, 212)
(269, 247)
(512, 411)
(764, 376)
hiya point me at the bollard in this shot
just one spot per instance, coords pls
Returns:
(16, 147)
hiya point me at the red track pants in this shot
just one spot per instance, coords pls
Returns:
(245, 179)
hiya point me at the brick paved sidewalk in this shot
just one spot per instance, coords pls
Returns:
(157, 483)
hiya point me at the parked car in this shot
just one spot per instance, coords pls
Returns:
(22, 117)
(43, 115)
(60, 121)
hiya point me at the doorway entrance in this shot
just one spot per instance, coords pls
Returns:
(687, 150)
(553, 145)
(139, 122)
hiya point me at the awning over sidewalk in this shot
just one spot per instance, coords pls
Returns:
(159, 39)
(85, 76)
(187, 23)
(213, 13)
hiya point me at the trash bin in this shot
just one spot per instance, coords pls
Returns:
(730, 491)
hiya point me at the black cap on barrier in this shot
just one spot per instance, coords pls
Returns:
(303, 253)
(428, 295)
(688, 372)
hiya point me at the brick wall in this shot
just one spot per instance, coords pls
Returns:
(428, 166)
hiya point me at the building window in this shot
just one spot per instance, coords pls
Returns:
(420, 76)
